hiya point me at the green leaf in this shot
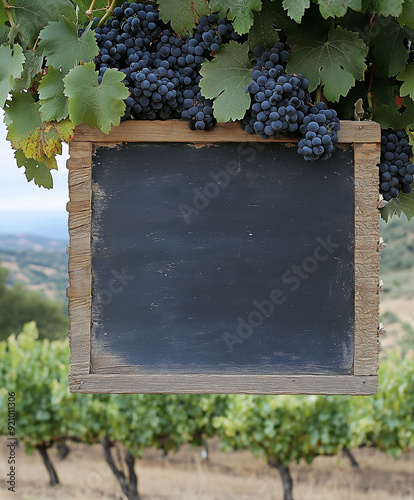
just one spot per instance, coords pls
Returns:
(335, 64)
(407, 88)
(32, 66)
(26, 131)
(238, 11)
(383, 92)
(3, 15)
(389, 115)
(96, 105)
(225, 79)
(11, 67)
(389, 47)
(389, 7)
(4, 34)
(183, 14)
(263, 32)
(53, 102)
(21, 116)
(62, 47)
(36, 171)
(407, 14)
(33, 15)
(296, 8)
(403, 204)
(338, 8)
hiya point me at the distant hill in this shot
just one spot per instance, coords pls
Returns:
(397, 260)
(31, 242)
(36, 262)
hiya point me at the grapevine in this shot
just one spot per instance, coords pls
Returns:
(67, 62)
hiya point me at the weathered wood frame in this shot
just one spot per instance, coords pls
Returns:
(365, 139)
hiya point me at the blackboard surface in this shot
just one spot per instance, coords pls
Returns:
(226, 258)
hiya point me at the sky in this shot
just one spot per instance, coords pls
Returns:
(26, 208)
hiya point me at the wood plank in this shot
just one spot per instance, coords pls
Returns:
(366, 346)
(178, 131)
(80, 282)
(223, 384)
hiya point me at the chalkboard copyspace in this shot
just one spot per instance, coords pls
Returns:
(228, 258)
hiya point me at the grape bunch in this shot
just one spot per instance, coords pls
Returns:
(199, 115)
(278, 100)
(154, 94)
(319, 129)
(281, 103)
(210, 34)
(396, 170)
(126, 37)
(162, 69)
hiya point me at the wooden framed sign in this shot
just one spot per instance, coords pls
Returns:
(215, 262)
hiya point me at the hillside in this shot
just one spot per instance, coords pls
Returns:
(397, 261)
(39, 263)
(31, 242)
(397, 273)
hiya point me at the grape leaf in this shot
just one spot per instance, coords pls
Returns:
(225, 79)
(26, 131)
(53, 102)
(263, 32)
(296, 8)
(407, 14)
(239, 11)
(46, 141)
(383, 92)
(389, 47)
(11, 67)
(335, 64)
(407, 88)
(3, 15)
(338, 8)
(36, 171)
(63, 48)
(4, 34)
(403, 204)
(21, 115)
(389, 7)
(33, 15)
(390, 115)
(279, 16)
(184, 16)
(31, 67)
(96, 105)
